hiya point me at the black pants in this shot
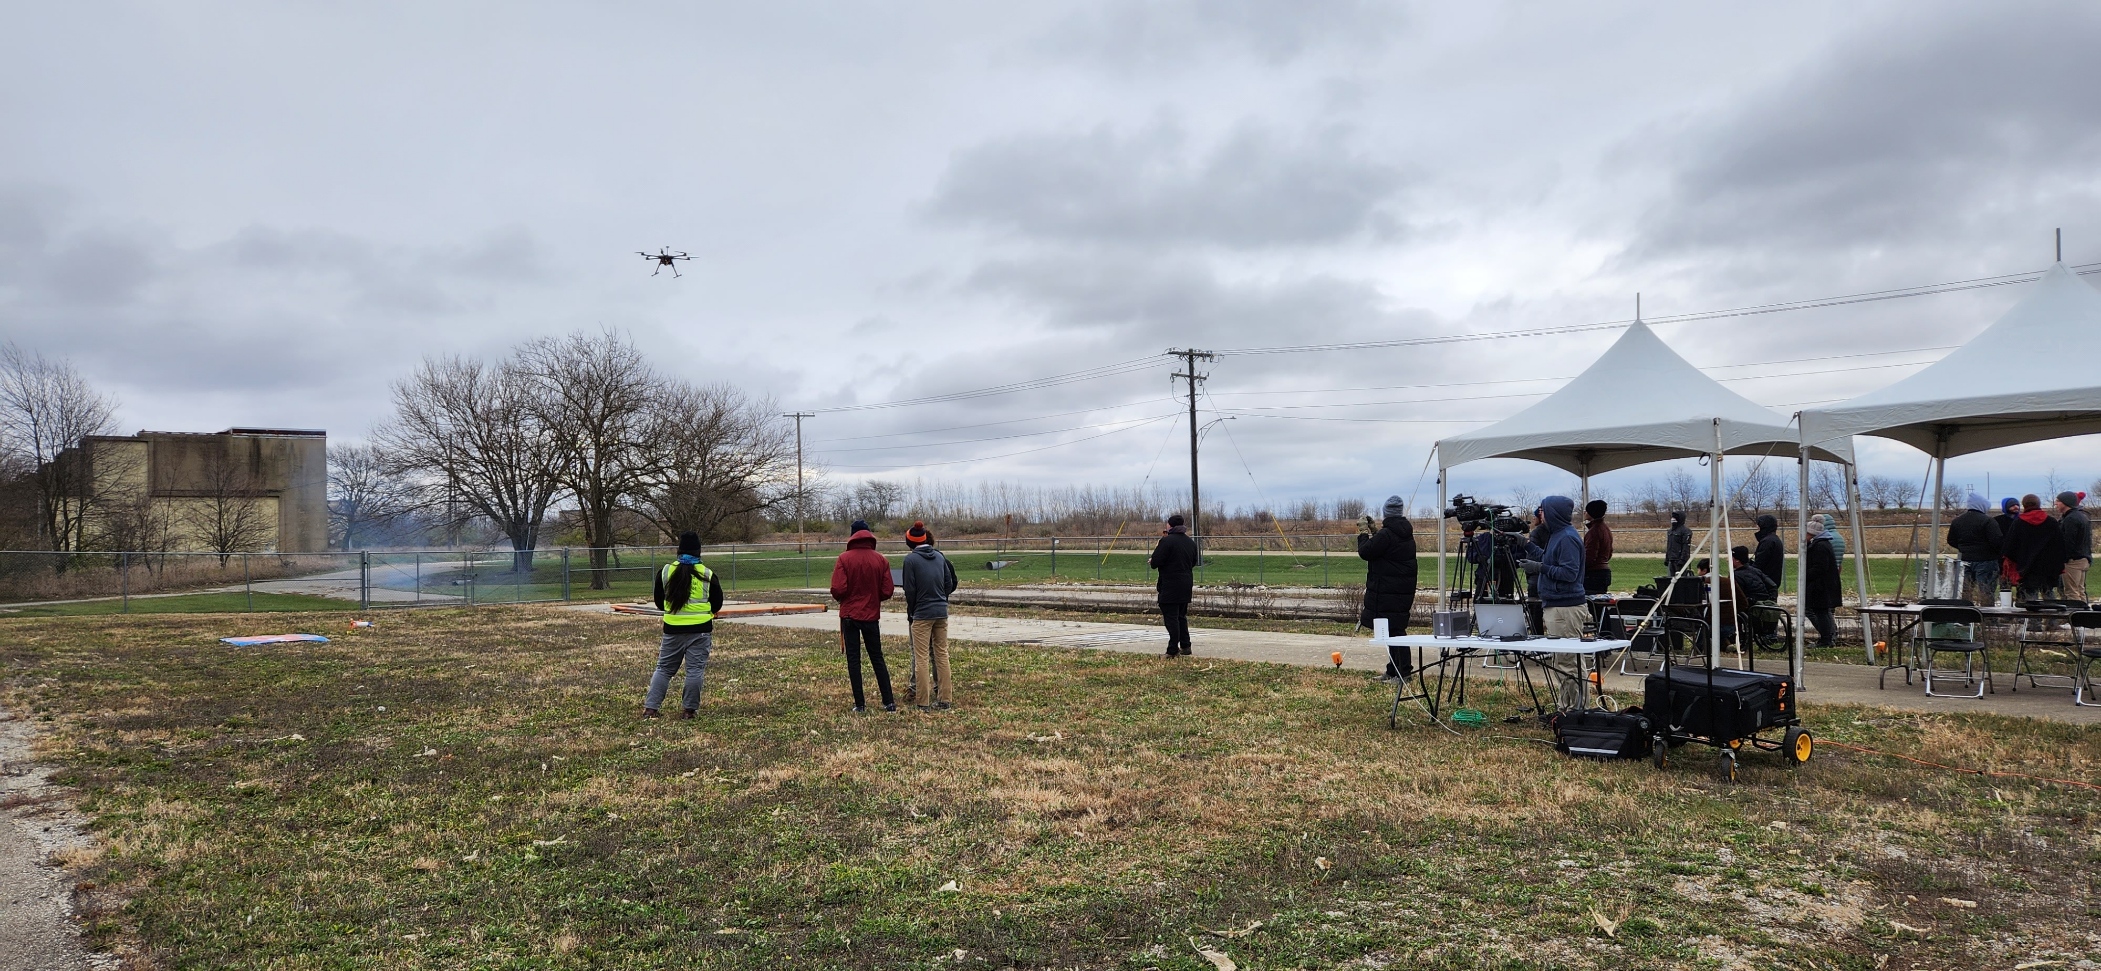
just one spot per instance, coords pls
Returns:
(1175, 617)
(1597, 581)
(1395, 627)
(1826, 628)
(870, 632)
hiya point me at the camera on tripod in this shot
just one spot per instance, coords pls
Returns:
(1472, 514)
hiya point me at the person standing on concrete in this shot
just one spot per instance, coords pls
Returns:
(861, 582)
(1838, 539)
(690, 595)
(2079, 545)
(929, 579)
(1175, 558)
(1770, 554)
(1389, 573)
(1677, 544)
(1557, 568)
(1597, 549)
(1823, 592)
(1978, 544)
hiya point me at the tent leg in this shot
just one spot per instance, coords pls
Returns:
(1794, 661)
(1933, 541)
(1714, 525)
(1860, 554)
(1441, 601)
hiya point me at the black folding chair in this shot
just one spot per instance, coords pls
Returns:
(1651, 641)
(1768, 626)
(1689, 633)
(1931, 639)
(2080, 621)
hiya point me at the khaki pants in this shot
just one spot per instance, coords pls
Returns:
(1567, 621)
(2074, 584)
(930, 662)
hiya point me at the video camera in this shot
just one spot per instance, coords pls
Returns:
(1472, 514)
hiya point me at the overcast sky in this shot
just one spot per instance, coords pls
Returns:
(261, 214)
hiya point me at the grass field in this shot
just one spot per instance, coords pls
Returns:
(470, 789)
(194, 603)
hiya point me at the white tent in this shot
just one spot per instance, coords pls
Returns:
(1639, 402)
(2027, 378)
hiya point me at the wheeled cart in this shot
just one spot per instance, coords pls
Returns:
(1727, 709)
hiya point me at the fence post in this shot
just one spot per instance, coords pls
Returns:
(1325, 579)
(470, 579)
(565, 573)
(124, 569)
(419, 576)
(733, 569)
(1054, 556)
(247, 584)
(1261, 546)
(364, 579)
(806, 567)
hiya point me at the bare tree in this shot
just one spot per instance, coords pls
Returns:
(597, 397)
(365, 493)
(1348, 509)
(227, 516)
(725, 457)
(1877, 490)
(1827, 487)
(46, 407)
(473, 430)
(1903, 493)
(878, 499)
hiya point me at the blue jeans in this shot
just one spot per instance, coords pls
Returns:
(693, 650)
(1983, 580)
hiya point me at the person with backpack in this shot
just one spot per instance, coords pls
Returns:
(1175, 558)
(861, 582)
(690, 595)
(929, 579)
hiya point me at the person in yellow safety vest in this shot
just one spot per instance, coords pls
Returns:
(690, 595)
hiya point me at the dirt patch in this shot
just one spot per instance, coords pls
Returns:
(39, 833)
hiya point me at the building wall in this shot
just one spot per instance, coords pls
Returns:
(283, 475)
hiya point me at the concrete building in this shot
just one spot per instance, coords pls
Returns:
(240, 490)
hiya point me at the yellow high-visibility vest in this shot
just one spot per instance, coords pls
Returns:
(697, 610)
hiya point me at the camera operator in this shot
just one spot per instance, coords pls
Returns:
(1389, 572)
(1495, 563)
(1557, 566)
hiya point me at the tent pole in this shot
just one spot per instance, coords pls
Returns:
(1714, 525)
(1441, 507)
(1802, 575)
(1860, 552)
(1933, 541)
(1794, 661)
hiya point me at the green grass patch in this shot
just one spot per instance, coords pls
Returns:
(194, 603)
(463, 788)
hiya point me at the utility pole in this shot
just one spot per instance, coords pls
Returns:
(1190, 356)
(798, 416)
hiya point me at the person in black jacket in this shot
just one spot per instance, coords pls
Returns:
(1770, 556)
(1756, 586)
(1677, 544)
(1175, 558)
(1823, 592)
(2079, 544)
(1389, 572)
(2035, 550)
(1978, 544)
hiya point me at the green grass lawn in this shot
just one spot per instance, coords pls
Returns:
(471, 789)
(194, 603)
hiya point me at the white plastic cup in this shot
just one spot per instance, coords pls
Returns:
(2006, 598)
(1379, 628)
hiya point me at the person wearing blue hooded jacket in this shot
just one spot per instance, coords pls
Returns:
(1558, 567)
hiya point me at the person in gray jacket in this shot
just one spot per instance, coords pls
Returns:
(2079, 544)
(1677, 544)
(929, 579)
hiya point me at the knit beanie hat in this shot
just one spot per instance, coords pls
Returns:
(2070, 499)
(859, 525)
(1395, 507)
(1740, 552)
(1595, 509)
(689, 543)
(1176, 520)
(918, 536)
(1816, 527)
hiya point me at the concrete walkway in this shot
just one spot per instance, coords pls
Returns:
(1824, 683)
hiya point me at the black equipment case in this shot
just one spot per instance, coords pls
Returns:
(1721, 704)
(1599, 734)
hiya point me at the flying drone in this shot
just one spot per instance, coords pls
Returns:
(663, 257)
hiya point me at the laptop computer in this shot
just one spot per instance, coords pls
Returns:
(1500, 620)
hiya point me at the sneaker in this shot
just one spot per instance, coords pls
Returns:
(652, 713)
(924, 707)
(687, 715)
(1173, 650)
(891, 706)
(943, 705)
(860, 709)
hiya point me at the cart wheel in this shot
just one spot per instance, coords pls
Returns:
(1798, 745)
(1728, 765)
(1659, 752)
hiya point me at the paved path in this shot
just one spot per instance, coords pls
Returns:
(37, 929)
(1825, 683)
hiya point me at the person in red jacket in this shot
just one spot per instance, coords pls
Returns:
(861, 582)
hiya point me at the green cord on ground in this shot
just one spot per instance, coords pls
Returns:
(1469, 716)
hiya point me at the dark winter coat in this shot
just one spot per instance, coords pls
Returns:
(1597, 547)
(1677, 546)
(1756, 586)
(1771, 555)
(1175, 558)
(1976, 537)
(2079, 535)
(2036, 548)
(861, 579)
(1560, 582)
(1490, 553)
(1823, 591)
(1389, 573)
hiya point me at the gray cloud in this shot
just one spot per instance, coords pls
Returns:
(1254, 188)
(1172, 33)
